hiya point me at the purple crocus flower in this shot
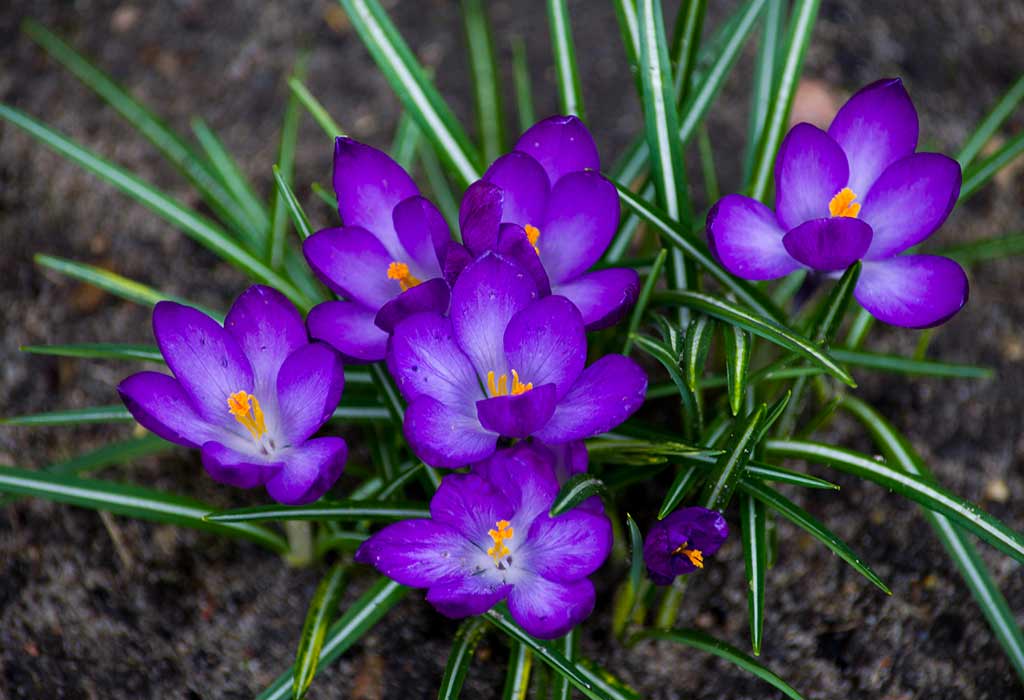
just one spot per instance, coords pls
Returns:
(506, 363)
(489, 537)
(248, 395)
(546, 205)
(857, 192)
(386, 260)
(679, 544)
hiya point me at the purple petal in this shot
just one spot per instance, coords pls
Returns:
(470, 595)
(545, 343)
(417, 553)
(914, 291)
(309, 388)
(269, 328)
(515, 246)
(349, 328)
(470, 505)
(876, 127)
(580, 221)
(745, 237)
(353, 263)
(237, 468)
(524, 475)
(695, 528)
(606, 393)
(486, 296)
(424, 359)
(456, 259)
(548, 610)
(603, 297)
(444, 436)
(308, 471)
(910, 201)
(829, 244)
(423, 233)
(369, 185)
(206, 360)
(480, 216)
(568, 547)
(810, 170)
(562, 145)
(518, 416)
(160, 405)
(525, 185)
(433, 295)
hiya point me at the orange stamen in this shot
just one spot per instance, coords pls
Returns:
(246, 410)
(843, 205)
(399, 271)
(532, 235)
(504, 532)
(695, 555)
(500, 387)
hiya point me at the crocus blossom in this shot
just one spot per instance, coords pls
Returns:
(681, 542)
(857, 192)
(490, 538)
(547, 201)
(249, 395)
(506, 363)
(387, 258)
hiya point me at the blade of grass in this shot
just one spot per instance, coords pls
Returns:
(461, 657)
(444, 197)
(686, 479)
(285, 169)
(829, 315)
(909, 366)
(523, 85)
(728, 470)
(707, 164)
(974, 252)
(764, 78)
(286, 197)
(230, 174)
(685, 42)
(316, 110)
(625, 14)
(517, 678)
(314, 629)
(352, 411)
(99, 351)
(566, 645)
(405, 142)
(490, 118)
(576, 490)
(984, 171)
(991, 123)
(755, 557)
(570, 95)
(738, 344)
(641, 302)
(323, 510)
(695, 348)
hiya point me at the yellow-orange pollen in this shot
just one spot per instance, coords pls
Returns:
(695, 555)
(246, 410)
(843, 205)
(399, 272)
(532, 235)
(500, 387)
(504, 532)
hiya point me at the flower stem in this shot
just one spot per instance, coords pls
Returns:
(668, 611)
(300, 542)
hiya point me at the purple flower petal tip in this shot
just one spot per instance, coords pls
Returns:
(681, 543)
(913, 291)
(829, 244)
(562, 145)
(432, 295)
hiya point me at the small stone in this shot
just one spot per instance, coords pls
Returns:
(996, 490)
(125, 18)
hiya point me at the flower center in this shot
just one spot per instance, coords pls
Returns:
(399, 272)
(500, 388)
(843, 205)
(532, 234)
(695, 556)
(246, 410)
(503, 532)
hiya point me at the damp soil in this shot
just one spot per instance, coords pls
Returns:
(108, 607)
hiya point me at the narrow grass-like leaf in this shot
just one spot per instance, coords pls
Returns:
(728, 470)
(705, 642)
(361, 616)
(523, 85)
(738, 345)
(685, 41)
(804, 14)
(670, 361)
(562, 689)
(763, 327)
(991, 123)
(285, 169)
(375, 511)
(764, 472)
(230, 174)
(645, 296)
(326, 197)
(517, 677)
(990, 600)
(286, 197)
(788, 287)
(343, 540)
(576, 490)
(984, 171)
(707, 164)
(636, 554)
(461, 657)
(801, 518)
(129, 500)
(859, 329)
(909, 366)
(314, 629)
(773, 414)
(489, 116)
(974, 252)
(755, 558)
(686, 479)
(913, 487)
(388, 392)
(640, 451)
(409, 81)
(406, 141)
(316, 110)
(570, 95)
(625, 13)
(699, 333)
(829, 315)
(444, 197)
(764, 78)
(99, 351)
(72, 416)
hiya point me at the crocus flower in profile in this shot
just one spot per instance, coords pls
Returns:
(681, 542)
(857, 192)
(506, 363)
(248, 395)
(547, 201)
(386, 260)
(490, 538)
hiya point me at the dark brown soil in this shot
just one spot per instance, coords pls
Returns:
(113, 608)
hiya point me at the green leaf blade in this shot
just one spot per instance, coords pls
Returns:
(314, 629)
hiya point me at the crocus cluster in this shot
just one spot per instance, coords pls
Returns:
(856, 192)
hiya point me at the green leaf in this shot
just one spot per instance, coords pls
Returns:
(699, 333)
(316, 110)
(517, 678)
(444, 197)
(409, 81)
(763, 327)
(563, 688)
(641, 302)
(707, 164)
(764, 472)
(704, 642)
(685, 41)
(829, 315)
(729, 468)
(670, 361)
(974, 252)
(859, 328)
(991, 123)
(230, 174)
(198, 228)
(636, 557)
(406, 141)
(99, 351)
(363, 614)
(133, 501)
(737, 364)
(284, 169)
(314, 629)
(804, 14)
(801, 518)
(72, 416)
(388, 393)
(755, 557)
(686, 479)
(375, 511)
(576, 490)
(909, 366)
(480, 42)
(640, 452)
(625, 13)
(570, 96)
(287, 198)
(764, 78)
(963, 513)
(989, 599)
(523, 85)
(984, 171)
(460, 657)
